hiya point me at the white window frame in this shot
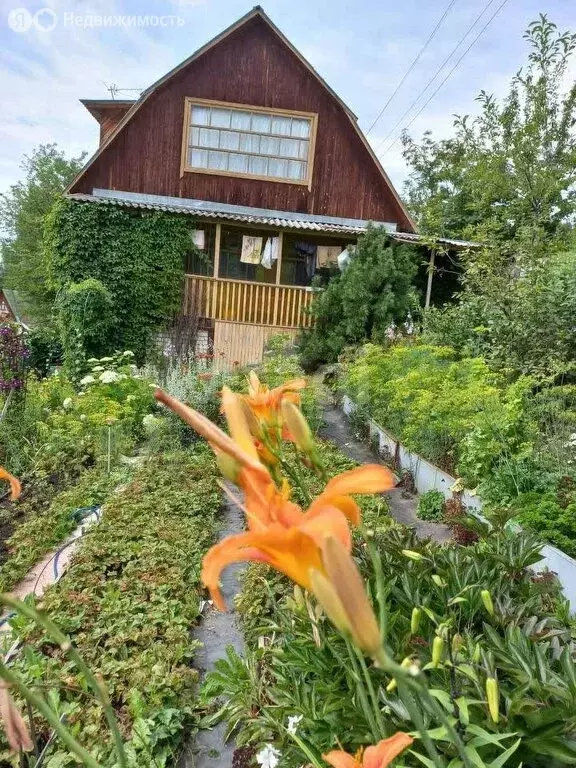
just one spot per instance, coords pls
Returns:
(189, 102)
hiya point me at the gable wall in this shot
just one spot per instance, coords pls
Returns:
(251, 66)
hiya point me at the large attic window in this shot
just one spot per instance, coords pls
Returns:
(238, 140)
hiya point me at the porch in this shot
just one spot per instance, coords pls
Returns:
(244, 303)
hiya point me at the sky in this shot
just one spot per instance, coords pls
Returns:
(52, 54)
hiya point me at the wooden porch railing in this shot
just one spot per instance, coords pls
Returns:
(245, 302)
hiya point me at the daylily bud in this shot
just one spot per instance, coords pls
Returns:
(228, 466)
(406, 663)
(476, 654)
(415, 620)
(437, 650)
(409, 553)
(299, 598)
(347, 583)
(457, 643)
(298, 427)
(493, 697)
(438, 580)
(487, 601)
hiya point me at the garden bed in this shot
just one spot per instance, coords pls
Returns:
(128, 604)
(428, 477)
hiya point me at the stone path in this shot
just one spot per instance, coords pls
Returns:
(402, 506)
(216, 631)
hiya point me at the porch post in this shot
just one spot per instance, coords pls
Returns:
(217, 249)
(278, 271)
(279, 260)
(430, 275)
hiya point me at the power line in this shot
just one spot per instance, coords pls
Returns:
(435, 75)
(472, 44)
(411, 67)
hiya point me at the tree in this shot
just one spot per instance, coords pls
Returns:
(47, 172)
(507, 177)
(373, 293)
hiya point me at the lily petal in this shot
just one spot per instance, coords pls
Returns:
(290, 551)
(382, 754)
(339, 759)
(15, 487)
(369, 478)
(328, 521)
(237, 422)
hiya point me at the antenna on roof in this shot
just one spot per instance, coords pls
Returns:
(114, 90)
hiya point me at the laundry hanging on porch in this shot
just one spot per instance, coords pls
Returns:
(327, 255)
(199, 238)
(271, 252)
(251, 249)
(308, 250)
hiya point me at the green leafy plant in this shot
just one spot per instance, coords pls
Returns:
(100, 242)
(431, 505)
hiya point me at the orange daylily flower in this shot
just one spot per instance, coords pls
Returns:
(15, 486)
(378, 756)
(265, 402)
(282, 534)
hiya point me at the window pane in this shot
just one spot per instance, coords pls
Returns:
(229, 140)
(261, 123)
(278, 168)
(241, 120)
(201, 115)
(195, 136)
(238, 163)
(220, 118)
(269, 145)
(198, 158)
(300, 127)
(258, 165)
(218, 161)
(296, 170)
(303, 150)
(281, 125)
(208, 138)
(289, 147)
(249, 142)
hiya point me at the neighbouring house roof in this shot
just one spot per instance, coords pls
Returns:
(256, 11)
(204, 209)
(95, 106)
(18, 306)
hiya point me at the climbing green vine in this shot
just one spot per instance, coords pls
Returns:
(136, 256)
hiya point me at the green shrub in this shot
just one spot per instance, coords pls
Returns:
(551, 517)
(431, 505)
(138, 256)
(374, 292)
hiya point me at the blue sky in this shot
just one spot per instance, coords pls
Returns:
(361, 48)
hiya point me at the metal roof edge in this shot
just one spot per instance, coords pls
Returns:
(208, 205)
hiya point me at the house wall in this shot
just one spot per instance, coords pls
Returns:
(251, 66)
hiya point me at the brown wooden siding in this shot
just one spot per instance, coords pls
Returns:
(250, 66)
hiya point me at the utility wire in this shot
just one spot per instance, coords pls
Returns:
(454, 68)
(411, 67)
(434, 76)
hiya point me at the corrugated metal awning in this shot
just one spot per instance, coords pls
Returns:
(286, 220)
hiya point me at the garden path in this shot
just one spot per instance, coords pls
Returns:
(337, 429)
(216, 631)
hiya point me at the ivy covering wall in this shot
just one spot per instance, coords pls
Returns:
(138, 257)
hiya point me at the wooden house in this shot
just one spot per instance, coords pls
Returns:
(246, 139)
